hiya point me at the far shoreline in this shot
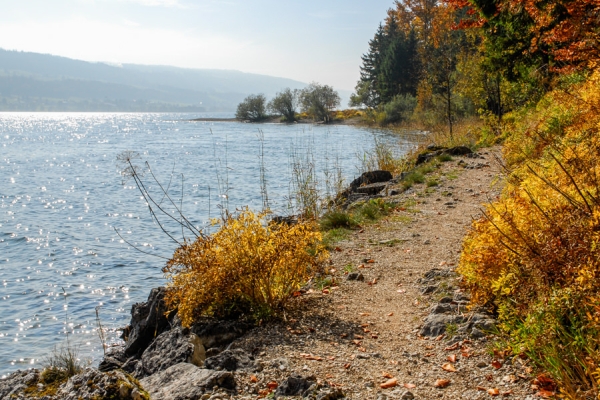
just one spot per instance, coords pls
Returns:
(277, 120)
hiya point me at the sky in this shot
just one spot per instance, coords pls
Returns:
(310, 40)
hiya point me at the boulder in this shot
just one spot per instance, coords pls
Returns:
(170, 348)
(435, 324)
(15, 383)
(355, 276)
(295, 385)
(220, 333)
(232, 360)
(366, 179)
(93, 384)
(186, 382)
(372, 189)
(148, 320)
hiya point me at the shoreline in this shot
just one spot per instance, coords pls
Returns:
(277, 120)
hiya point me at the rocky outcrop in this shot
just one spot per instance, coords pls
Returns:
(148, 320)
(186, 382)
(90, 384)
(170, 348)
(435, 151)
(368, 184)
(219, 333)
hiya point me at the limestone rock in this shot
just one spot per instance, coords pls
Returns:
(148, 320)
(232, 360)
(295, 385)
(170, 348)
(219, 333)
(95, 384)
(186, 382)
(435, 324)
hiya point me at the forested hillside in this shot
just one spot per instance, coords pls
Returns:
(39, 82)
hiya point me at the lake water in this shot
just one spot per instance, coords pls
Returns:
(62, 198)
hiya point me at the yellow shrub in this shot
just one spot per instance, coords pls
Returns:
(534, 257)
(247, 265)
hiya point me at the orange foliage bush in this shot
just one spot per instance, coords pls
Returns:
(534, 257)
(248, 266)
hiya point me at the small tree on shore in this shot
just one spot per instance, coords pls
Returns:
(285, 104)
(253, 108)
(318, 101)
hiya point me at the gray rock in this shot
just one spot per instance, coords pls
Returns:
(186, 382)
(435, 324)
(477, 334)
(109, 364)
(445, 300)
(16, 382)
(148, 320)
(355, 276)
(429, 289)
(442, 308)
(95, 384)
(232, 360)
(294, 385)
(372, 189)
(170, 348)
(407, 395)
(220, 333)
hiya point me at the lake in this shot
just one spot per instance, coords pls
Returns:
(69, 220)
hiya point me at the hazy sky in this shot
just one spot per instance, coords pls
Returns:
(309, 40)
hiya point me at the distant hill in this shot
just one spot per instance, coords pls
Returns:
(40, 82)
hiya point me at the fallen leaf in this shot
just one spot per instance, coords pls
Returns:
(493, 392)
(371, 261)
(311, 329)
(253, 379)
(387, 375)
(483, 389)
(311, 357)
(365, 330)
(489, 377)
(357, 342)
(331, 358)
(448, 367)
(440, 337)
(409, 386)
(346, 366)
(359, 337)
(364, 314)
(389, 384)
(453, 347)
(465, 355)
(272, 385)
(429, 347)
(441, 383)
(361, 231)
(496, 364)
(416, 303)
(326, 291)
(393, 362)
(364, 325)
(507, 393)
(362, 349)
(443, 263)
(344, 335)
(338, 249)
(297, 294)
(328, 376)
(390, 314)
(451, 358)
(374, 336)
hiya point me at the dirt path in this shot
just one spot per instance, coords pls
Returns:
(359, 334)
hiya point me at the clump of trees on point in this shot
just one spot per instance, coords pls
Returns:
(317, 101)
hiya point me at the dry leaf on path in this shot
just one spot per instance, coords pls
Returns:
(496, 364)
(409, 386)
(441, 383)
(253, 379)
(452, 358)
(387, 375)
(448, 367)
(389, 384)
(493, 392)
(272, 385)
(390, 314)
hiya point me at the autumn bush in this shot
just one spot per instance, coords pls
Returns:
(534, 257)
(248, 265)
